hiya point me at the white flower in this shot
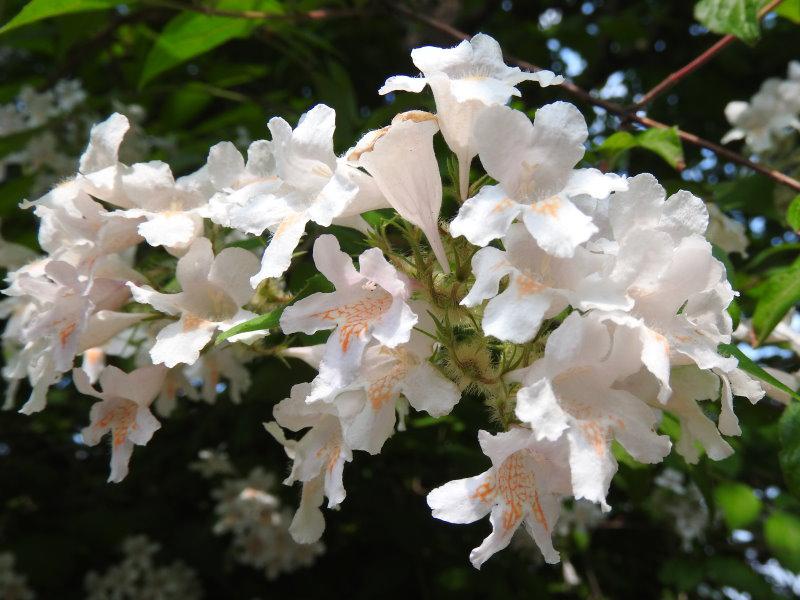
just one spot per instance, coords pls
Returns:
(123, 410)
(318, 457)
(213, 292)
(401, 159)
(533, 163)
(525, 485)
(570, 392)
(384, 375)
(294, 179)
(539, 285)
(367, 304)
(725, 232)
(465, 80)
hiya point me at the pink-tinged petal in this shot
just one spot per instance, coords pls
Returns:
(231, 271)
(539, 525)
(104, 141)
(557, 225)
(489, 265)
(394, 326)
(594, 183)
(403, 83)
(591, 462)
(334, 198)
(278, 255)
(308, 523)
(143, 429)
(225, 164)
(83, 385)
(486, 216)
(374, 424)
(165, 303)
(538, 406)
(427, 389)
(104, 325)
(516, 314)
(335, 265)
(172, 230)
(464, 500)
(120, 457)
(181, 342)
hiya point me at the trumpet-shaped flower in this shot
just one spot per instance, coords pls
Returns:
(533, 163)
(213, 291)
(123, 410)
(525, 485)
(401, 159)
(318, 457)
(465, 80)
(570, 392)
(367, 304)
(539, 285)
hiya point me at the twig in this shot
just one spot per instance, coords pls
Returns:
(626, 114)
(698, 62)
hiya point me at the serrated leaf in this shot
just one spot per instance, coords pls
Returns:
(37, 10)
(190, 34)
(748, 366)
(735, 17)
(789, 9)
(780, 293)
(782, 534)
(315, 284)
(663, 142)
(789, 454)
(738, 504)
(793, 214)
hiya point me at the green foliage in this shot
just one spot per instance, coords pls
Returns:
(736, 17)
(748, 366)
(36, 10)
(737, 503)
(789, 9)
(663, 142)
(782, 533)
(793, 214)
(190, 34)
(780, 293)
(789, 431)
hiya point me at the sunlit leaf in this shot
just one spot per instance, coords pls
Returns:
(793, 214)
(738, 504)
(781, 292)
(663, 142)
(748, 366)
(789, 431)
(736, 17)
(782, 533)
(37, 10)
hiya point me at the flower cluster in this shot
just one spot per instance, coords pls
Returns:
(259, 524)
(139, 576)
(580, 305)
(770, 114)
(12, 584)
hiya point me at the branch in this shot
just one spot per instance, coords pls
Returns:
(626, 114)
(698, 62)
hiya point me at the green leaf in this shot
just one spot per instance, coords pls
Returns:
(190, 34)
(316, 283)
(789, 454)
(793, 213)
(789, 9)
(735, 17)
(782, 533)
(663, 142)
(37, 10)
(750, 367)
(738, 504)
(781, 292)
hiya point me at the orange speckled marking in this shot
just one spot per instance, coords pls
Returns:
(595, 435)
(382, 389)
(120, 418)
(330, 453)
(503, 205)
(65, 333)
(517, 487)
(285, 225)
(549, 207)
(527, 285)
(191, 322)
(354, 319)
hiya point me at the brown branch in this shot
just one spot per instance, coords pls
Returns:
(626, 114)
(698, 62)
